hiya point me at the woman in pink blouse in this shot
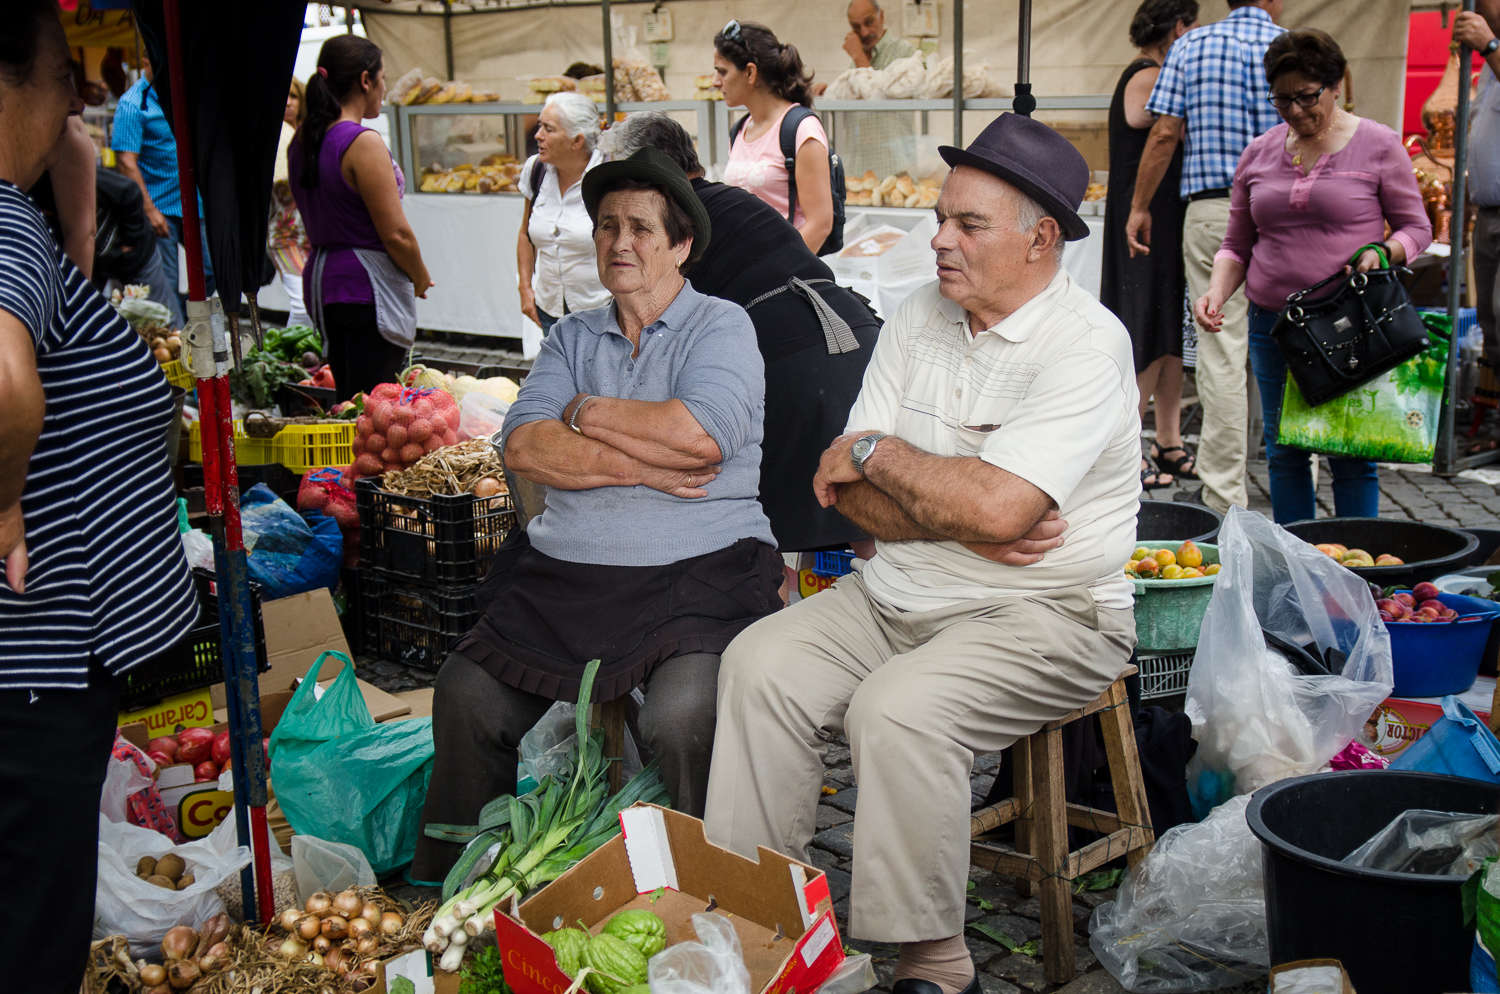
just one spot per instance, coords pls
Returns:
(1306, 195)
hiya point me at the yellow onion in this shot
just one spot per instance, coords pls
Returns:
(335, 927)
(315, 959)
(178, 943)
(333, 959)
(359, 928)
(308, 927)
(321, 945)
(153, 975)
(183, 974)
(293, 948)
(390, 923)
(347, 903)
(370, 912)
(320, 904)
(367, 945)
(289, 918)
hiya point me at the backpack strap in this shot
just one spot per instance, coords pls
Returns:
(736, 128)
(538, 173)
(790, 122)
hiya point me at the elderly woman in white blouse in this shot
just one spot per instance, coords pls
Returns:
(555, 251)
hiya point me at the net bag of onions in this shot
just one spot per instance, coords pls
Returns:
(400, 425)
(324, 490)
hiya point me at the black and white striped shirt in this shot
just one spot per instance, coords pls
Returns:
(108, 577)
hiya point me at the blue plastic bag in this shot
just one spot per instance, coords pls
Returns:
(289, 552)
(1457, 744)
(341, 777)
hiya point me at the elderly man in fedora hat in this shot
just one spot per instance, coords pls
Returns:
(643, 419)
(993, 453)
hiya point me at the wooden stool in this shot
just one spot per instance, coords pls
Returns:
(1042, 816)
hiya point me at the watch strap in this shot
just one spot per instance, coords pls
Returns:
(859, 460)
(1489, 49)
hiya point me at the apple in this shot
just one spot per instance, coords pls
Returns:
(1331, 551)
(1433, 604)
(1387, 605)
(1424, 591)
(1405, 597)
(1386, 559)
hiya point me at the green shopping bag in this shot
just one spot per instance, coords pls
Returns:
(1392, 418)
(341, 777)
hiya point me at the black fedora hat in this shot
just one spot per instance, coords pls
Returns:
(1033, 158)
(652, 166)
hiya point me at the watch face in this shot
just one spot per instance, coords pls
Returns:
(862, 448)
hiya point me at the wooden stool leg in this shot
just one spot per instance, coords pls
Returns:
(1050, 840)
(1020, 755)
(1125, 772)
(612, 720)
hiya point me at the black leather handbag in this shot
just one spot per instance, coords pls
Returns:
(1364, 327)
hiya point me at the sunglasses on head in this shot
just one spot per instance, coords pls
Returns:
(1303, 100)
(732, 31)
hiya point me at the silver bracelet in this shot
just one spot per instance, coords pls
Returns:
(573, 421)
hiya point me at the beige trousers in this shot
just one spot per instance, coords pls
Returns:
(1222, 359)
(918, 695)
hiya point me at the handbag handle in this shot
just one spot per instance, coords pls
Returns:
(1380, 250)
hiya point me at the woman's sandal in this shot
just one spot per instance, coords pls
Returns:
(1183, 467)
(1151, 479)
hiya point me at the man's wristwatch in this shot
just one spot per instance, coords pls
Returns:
(1489, 49)
(863, 448)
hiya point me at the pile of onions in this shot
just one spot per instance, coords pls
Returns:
(341, 932)
(190, 956)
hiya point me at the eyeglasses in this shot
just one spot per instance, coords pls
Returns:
(732, 32)
(1303, 100)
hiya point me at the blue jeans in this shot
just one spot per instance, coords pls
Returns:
(167, 249)
(1356, 483)
(548, 320)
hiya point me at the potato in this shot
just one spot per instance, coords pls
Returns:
(171, 866)
(157, 880)
(145, 866)
(187, 881)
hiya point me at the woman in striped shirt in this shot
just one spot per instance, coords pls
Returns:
(95, 577)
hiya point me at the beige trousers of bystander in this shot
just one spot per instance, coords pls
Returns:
(918, 694)
(1222, 357)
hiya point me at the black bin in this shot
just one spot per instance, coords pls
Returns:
(1395, 933)
(1160, 520)
(1429, 551)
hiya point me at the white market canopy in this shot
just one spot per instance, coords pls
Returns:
(1078, 47)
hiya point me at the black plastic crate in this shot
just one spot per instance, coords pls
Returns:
(295, 399)
(412, 623)
(202, 665)
(438, 539)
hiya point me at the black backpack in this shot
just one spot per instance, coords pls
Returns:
(789, 124)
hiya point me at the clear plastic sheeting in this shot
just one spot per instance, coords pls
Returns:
(1437, 843)
(712, 965)
(1192, 915)
(328, 866)
(1256, 717)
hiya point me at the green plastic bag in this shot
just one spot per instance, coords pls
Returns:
(1392, 418)
(341, 777)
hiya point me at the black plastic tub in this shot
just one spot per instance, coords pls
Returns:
(1164, 519)
(1489, 541)
(1429, 551)
(1395, 933)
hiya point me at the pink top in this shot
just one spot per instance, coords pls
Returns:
(1294, 230)
(758, 166)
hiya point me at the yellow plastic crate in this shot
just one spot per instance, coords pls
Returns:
(177, 374)
(305, 447)
(247, 451)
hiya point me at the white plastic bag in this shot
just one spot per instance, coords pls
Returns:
(199, 548)
(1192, 915)
(713, 965)
(331, 866)
(1256, 718)
(121, 780)
(124, 904)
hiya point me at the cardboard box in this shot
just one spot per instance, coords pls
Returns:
(420, 967)
(1282, 983)
(193, 709)
(1400, 722)
(298, 629)
(911, 257)
(781, 908)
(383, 706)
(420, 702)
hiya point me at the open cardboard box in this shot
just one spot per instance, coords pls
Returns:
(1280, 981)
(781, 908)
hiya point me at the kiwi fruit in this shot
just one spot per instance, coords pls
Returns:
(171, 866)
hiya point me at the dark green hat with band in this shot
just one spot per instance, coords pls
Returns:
(650, 165)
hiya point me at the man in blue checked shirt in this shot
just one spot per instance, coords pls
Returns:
(1212, 92)
(142, 139)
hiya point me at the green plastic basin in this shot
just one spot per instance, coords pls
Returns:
(1169, 613)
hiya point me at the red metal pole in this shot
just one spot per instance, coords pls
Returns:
(220, 478)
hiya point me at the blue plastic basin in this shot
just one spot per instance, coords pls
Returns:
(1435, 660)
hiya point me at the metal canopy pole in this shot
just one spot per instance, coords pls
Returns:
(1023, 103)
(208, 354)
(448, 35)
(958, 73)
(609, 63)
(1446, 459)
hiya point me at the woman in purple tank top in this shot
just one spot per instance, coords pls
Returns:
(366, 271)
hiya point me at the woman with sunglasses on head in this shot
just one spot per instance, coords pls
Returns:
(1306, 196)
(759, 73)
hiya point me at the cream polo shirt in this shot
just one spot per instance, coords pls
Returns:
(1048, 394)
(566, 277)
